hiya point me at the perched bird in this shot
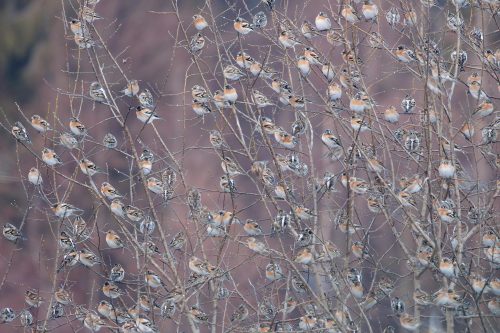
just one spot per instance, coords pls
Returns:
(287, 39)
(199, 22)
(34, 177)
(307, 322)
(244, 60)
(230, 94)
(32, 298)
(113, 240)
(97, 92)
(375, 40)
(89, 14)
(11, 232)
(404, 54)
(65, 241)
(178, 241)
(111, 290)
(146, 115)
(448, 267)
(63, 210)
(40, 124)
(109, 191)
(198, 315)
(358, 124)
(322, 22)
(391, 115)
(252, 228)
(88, 167)
(393, 17)
(274, 272)
(76, 127)
(240, 314)
(260, 99)
(349, 14)
(334, 91)
(131, 89)
(232, 73)
(117, 207)
(259, 20)
(197, 43)
(257, 246)
(446, 169)
(230, 167)
(93, 322)
(200, 267)
(109, 141)
(145, 99)
(304, 256)
(68, 141)
(87, 258)
(369, 10)
(307, 30)
(117, 273)
(409, 322)
(242, 26)
(152, 279)
(134, 214)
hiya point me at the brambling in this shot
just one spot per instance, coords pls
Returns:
(244, 60)
(167, 309)
(109, 141)
(370, 10)
(490, 238)
(358, 124)
(219, 100)
(446, 215)
(134, 214)
(485, 108)
(7, 315)
(269, 3)
(240, 314)
(146, 115)
(349, 79)
(287, 39)
(65, 241)
(230, 94)
(274, 272)
(197, 43)
(216, 140)
(359, 250)
(376, 40)
(392, 16)
(329, 251)
(328, 71)
(304, 256)
(227, 184)
(32, 298)
(446, 169)
(479, 284)
(149, 248)
(447, 298)
(289, 305)
(303, 65)
(145, 99)
(413, 185)
(356, 289)
(200, 267)
(374, 165)
(358, 104)
(69, 259)
(199, 93)
(34, 177)
(439, 73)
(350, 57)
(145, 325)
(87, 258)
(299, 126)
(198, 315)
(281, 192)
(350, 228)
(307, 30)
(461, 58)
(303, 213)
(79, 28)
(199, 22)
(97, 92)
(267, 125)
(109, 191)
(492, 254)
(409, 322)
(308, 322)
(200, 108)
(26, 318)
(232, 73)
(322, 22)
(391, 115)
(488, 135)
(448, 267)
(146, 165)
(304, 238)
(349, 14)
(40, 124)
(252, 228)
(259, 70)
(297, 102)
(20, 133)
(62, 209)
(408, 104)
(215, 231)
(117, 273)
(131, 89)
(476, 91)
(93, 322)
(334, 91)
(257, 246)
(88, 167)
(280, 86)
(178, 241)
(88, 14)
(104, 308)
(412, 141)
(454, 22)
(406, 199)
(409, 17)
(111, 290)
(230, 167)
(397, 305)
(84, 42)
(260, 99)
(50, 157)
(495, 286)
(285, 139)
(117, 207)
(242, 26)
(386, 285)
(76, 127)
(11, 232)
(420, 297)
(223, 217)
(404, 54)
(113, 240)
(267, 309)
(152, 280)
(494, 306)
(259, 20)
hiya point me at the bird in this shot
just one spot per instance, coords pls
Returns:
(117, 207)
(242, 26)
(113, 240)
(197, 43)
(304, 256)
(145, 325)
(131, 89)
(88, 258)
(198, 315)
(409, 322)
(358, 124)
(97, 92)
(334, 91)
(287, 39)
(134, 214)
(404, 54)
(232, 73)
(285, 139)
(200, 267)
(78, 28)
(68, 140)
(111, 290)
(240, 314)
(63, 210)
(244, 60)
(32, 298)
(230, 167)
(307, 322)
(260, 99)
(50, 157)
(34, 177)
(484, 109)
(93, 322)
(65, 241)
(322, 22)
(349, 14)
(117, 273)
(88, 167)
(109, 141)
(178, 241)
(145, 99)
(89, 14)
(146, 115)
(230, 94)
(257, 246)
(11, 232)
(274, 272)
(109, 191)
(40, 124)
(376, 40)
(307, 30)
(252, 228)
(369, 10)
(393, 17)
(76, 127)
(152, 279)
(199, 22)
(304, 65)
(448, 267)
(446, 169)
